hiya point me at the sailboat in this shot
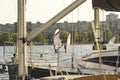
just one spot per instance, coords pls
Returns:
(52, 67)
(102, 60)
(21, 70)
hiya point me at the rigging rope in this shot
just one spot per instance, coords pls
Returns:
(72, 56)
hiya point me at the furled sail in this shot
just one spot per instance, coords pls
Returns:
(68, 42)
(57, 41)
(108, 5)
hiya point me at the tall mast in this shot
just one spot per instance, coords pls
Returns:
(97, 31)
(97, 28)
(22, 55)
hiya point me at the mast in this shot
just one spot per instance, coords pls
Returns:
(97, 32)
(22, 55)
(97, 28)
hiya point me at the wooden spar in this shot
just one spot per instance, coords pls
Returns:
(55, 19)
(22, 56)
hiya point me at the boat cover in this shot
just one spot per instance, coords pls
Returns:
(108, 5)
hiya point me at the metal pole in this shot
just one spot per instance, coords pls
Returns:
(22, 56)
(55, 19)
(4, 53)
(97, 28)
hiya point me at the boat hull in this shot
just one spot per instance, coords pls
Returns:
(35, 72)
(110, 61)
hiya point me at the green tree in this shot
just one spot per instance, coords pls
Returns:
(108, 34)
(75, 36)
(49, 38)
(41, 39)
(63, 36)
(85, 37)
(13, 37)
(6, 37)
(90, 36)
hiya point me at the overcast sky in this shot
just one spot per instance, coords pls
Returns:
(43, 10)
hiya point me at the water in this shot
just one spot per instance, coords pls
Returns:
(79, 51)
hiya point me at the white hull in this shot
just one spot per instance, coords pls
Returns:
(90, 63)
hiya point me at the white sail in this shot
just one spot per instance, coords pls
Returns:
(68, 42)
(57, 40)
(112, 41)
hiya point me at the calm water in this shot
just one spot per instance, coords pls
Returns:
(79, 50)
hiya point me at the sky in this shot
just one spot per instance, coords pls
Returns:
(43, 10)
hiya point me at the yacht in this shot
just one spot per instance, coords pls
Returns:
(104, 58)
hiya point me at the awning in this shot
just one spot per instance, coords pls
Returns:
(108, 5)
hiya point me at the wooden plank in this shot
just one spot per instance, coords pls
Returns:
(98, 77)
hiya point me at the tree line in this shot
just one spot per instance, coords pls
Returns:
(77, 37)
